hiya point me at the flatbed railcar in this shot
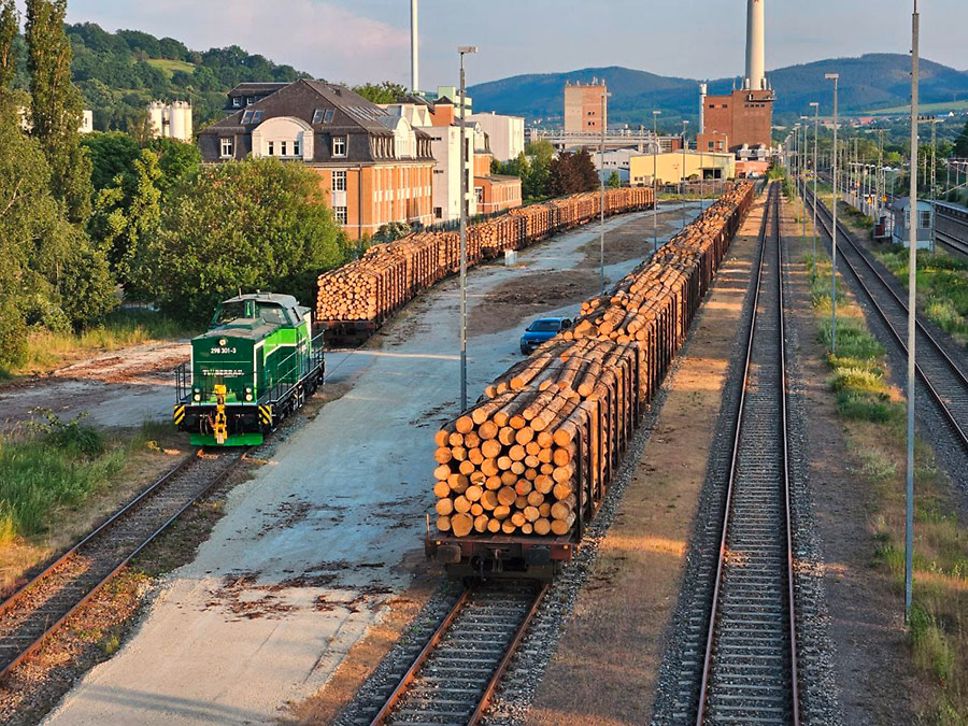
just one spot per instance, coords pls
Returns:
(257, 364)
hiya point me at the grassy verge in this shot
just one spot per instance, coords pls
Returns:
(48, 350)
(942, 288)
(874, 425)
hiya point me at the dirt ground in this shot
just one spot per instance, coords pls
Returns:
(633, 240)
(872, 660)
(617, 633)
(536, 293)
(119, 388)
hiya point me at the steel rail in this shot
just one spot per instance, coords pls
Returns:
(103, 531)
(718, 584)
(960, 376)
(434, 644)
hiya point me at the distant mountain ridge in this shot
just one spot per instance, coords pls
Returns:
(875, 80)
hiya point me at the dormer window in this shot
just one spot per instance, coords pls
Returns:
(237, 102)
(339, 146)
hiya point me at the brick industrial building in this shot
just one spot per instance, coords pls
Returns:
(586, 107)
(745, 116)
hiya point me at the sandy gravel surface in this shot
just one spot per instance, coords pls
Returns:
(120, 388)
(310, 550)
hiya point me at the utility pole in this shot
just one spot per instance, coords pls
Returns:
(912, 308)
(816, 143)
(462, 51)
(835, 77)
(655, 183)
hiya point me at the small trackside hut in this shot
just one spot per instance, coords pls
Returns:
(257, 363)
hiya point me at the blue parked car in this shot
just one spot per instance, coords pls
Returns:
(541, 330)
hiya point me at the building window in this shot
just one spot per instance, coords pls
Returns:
(295, 148)
(271, 148)
(226, 147)
(328, 117)
(237, 102)
(339, 146)
(339, 181)
(283, 148)
(924, 220)
(438, 212)
(318, 116)
(340, 213)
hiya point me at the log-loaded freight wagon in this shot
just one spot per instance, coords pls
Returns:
(356, 299)
(257, 363)
(520, 476)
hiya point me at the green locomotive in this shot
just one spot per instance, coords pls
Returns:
(257, 363)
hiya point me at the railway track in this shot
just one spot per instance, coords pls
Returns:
(944, 376)
(749, 667)
(32, 613)
(453, 678)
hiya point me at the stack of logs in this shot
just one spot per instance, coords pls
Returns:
(389, 275)
(537, 452)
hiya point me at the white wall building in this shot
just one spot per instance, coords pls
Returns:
(86, 127)
(445, 147)
(171, 120)
(506, 134)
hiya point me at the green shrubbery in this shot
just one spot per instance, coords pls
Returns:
(942, 286)
(52, 464)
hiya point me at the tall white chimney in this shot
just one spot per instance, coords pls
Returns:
(755, 45)
(703, 89)
(414, 49)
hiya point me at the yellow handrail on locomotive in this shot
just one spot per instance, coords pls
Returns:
(220, 424)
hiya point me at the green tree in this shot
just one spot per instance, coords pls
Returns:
(9, 29)
(536, 179)
(385, 92)
(179, 163)
(961, 143)
(111, 153)
(614, 180)
(256, 224)
(126, 213)
(57, 106)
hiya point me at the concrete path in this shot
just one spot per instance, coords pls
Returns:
(308, 552)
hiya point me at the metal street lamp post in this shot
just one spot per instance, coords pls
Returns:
(601, 221)
(816, 136)
(462, 51)
(682, 176)
(655, 183)
(835, 77)
(912, 307)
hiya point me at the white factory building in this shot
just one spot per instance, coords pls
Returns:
(171, 120)
(505, 133)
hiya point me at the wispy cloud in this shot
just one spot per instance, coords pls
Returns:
(323, 38)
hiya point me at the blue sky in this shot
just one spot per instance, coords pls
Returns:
(360, 40)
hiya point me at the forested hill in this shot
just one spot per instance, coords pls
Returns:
(867, 83)
(119, 73)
